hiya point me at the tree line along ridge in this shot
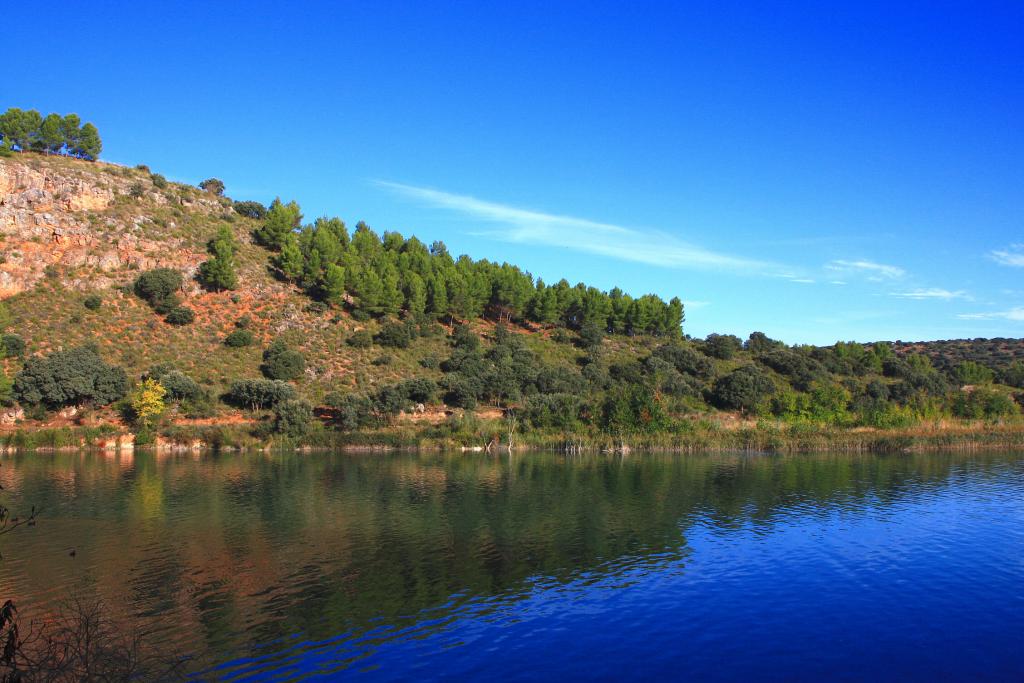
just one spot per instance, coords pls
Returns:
(27, 130)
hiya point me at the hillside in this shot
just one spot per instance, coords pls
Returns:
(367, 313)
(999, 353)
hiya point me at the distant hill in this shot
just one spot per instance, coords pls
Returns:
(998, 353)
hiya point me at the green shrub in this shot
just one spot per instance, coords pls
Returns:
(632, 408)
(12, 346)
(1013, 375)
(419, 389)
(179, 386)
(969, 372)
(213, 186)
(395, 335)
(293, 418)
(158, 286)
(351, 411)
(686, 361)
(983, 402)
(250, 209)
(180, 316)
(93, 302)
(553, 411)
(165, 306)
(590, 336)
(317, 307)
(678, 384)
(282, 362)
(430, 328)
(6, 389)
(722, 346)
(239, 338)
(458, 393)
(158, 181)
(802, 370)
(75, 377)
(360, 339)
(257, 394)
(199, 407)
(560, 336)
(745, 388)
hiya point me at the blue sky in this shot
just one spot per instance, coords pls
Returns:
(817, 171)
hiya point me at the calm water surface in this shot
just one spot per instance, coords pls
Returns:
(391, 567)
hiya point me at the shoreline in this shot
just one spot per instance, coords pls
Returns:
(763, 438)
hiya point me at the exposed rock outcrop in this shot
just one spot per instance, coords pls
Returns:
(65, 218)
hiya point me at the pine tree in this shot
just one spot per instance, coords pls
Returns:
(290, 261)
(415, 294)
(218, 273)
(51, 134)
(324, 238)
(366, 241)
(437, 296)
(312, 270)
(282, 220)
(70, 128)
(336, 227)
(20, 128)
(392, 298)
(90, 143)
(332, 285)
(367, 289)
(674, 317)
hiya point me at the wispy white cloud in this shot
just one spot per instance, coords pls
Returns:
(932, 293)
(604, 239)
(695, 304)
(802, 280)
(837, 282)
(1012, 256)
(1015, 314)
(876, 272)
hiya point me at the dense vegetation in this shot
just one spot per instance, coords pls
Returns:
(449, 349)
(28, 130)
(390, 275)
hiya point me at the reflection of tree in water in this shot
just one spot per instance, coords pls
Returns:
(226, 551)
(76, 641)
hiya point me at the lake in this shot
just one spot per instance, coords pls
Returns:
(537, 566)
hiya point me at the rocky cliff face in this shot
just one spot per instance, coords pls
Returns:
(80, 221)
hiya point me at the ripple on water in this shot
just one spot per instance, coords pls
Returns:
(390, 567)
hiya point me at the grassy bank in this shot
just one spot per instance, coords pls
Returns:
(764, 437)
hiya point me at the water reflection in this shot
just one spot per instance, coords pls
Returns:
(301, 563)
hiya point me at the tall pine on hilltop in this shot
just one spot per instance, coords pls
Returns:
(25, 131)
